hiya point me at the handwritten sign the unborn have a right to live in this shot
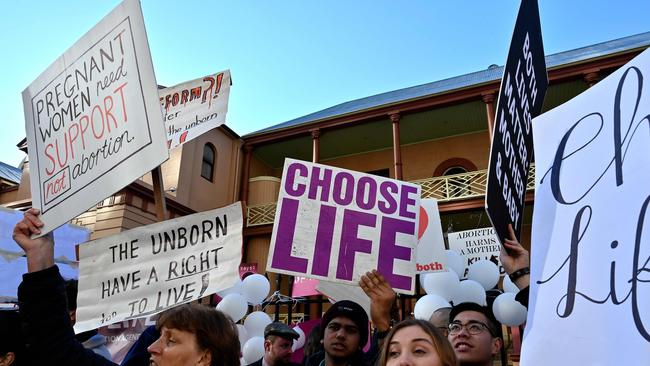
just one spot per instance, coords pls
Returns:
(148, 269)
(335, 224)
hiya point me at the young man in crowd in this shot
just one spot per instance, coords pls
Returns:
(344, 329)
(278, 342)
(474, 334)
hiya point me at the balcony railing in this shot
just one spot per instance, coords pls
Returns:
(445, 189)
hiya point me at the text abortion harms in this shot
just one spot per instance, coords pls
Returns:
(344, 189)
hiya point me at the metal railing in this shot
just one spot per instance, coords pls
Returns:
(445, 189)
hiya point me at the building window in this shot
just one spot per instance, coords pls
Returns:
(455, 170)
(457, 186)
(209, 158)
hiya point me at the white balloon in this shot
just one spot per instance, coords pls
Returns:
(427, 304)
(233, 305)
(423, 278)
(509, 311)
(242, 333)
(255, 323)
(508, 286)
(484, 272)
(445, 284)
(255, 288)
(471, 291)
(253, 350)
(235, 289)
(456, 262)
(300, 342)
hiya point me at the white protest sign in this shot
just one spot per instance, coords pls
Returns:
(475, 245)
(195, 107)
(590, 289)
(151, 268)
(337, 224)
(339, 292)
(92, 119)
(431, 244)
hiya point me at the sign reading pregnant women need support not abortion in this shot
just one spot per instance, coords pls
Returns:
(92, 119)
(335, 224)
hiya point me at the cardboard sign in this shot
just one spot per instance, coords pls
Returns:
(590, 255)
(431, 244)
(195, 107)
(92, 119)
(521, 97)
(337, 224)
(149, 269)
(475, 245)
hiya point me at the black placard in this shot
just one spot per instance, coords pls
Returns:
(521, 96)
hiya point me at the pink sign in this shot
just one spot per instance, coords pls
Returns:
(303, 286)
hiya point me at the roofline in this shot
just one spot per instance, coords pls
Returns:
(302, 127)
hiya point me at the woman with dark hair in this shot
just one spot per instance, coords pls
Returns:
(416, 342)
(190, 334)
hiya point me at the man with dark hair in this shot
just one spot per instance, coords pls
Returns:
(344, 329)
(12, 345)
(474, 334)
(91, 339)
(278, 342)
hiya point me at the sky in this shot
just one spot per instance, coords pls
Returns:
(289, 58)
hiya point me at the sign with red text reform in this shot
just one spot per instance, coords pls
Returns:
(590, 259)
(92, 119)
(521, 96)
(336, 224)
(195, 107)
(151, 268)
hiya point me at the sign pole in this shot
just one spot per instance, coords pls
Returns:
(159, 194)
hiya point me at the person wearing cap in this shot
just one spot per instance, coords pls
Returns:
(278, 342)
(474, 334)
(344, 330)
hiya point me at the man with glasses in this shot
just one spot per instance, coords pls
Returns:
(473, 334)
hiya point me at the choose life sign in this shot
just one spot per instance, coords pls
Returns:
(521, 96)
(336, 224)
(152, 268)
(92, 119)
(195, 107)
(590, 260)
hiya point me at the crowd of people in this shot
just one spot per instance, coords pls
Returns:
(192, 334)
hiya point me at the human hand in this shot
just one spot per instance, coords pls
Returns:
(382, 297)
(514, 257)
(39, 251)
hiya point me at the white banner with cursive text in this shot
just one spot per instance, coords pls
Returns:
(590, 290)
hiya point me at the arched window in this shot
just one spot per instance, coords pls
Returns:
(455, 170)
(457, 186)
(209, 159)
